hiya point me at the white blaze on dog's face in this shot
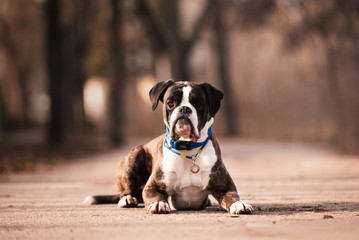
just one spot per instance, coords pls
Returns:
(183, 120)
(187, 107)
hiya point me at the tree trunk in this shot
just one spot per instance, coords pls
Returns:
(22, 76)
(222, 61)
(117, 78)
(77, 30)
(178, 57)
(2, 112)
(54, 70)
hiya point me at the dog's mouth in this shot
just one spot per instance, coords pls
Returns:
(183, 129)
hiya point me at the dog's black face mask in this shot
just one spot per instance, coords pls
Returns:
(187, 108)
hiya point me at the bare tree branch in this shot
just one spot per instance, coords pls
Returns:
(158, 30)
(197, 29)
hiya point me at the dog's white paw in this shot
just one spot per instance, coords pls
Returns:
(158, 207)
(89, 200)
(241, 207)
(127, 201)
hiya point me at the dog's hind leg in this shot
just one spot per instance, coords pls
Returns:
(132, 175)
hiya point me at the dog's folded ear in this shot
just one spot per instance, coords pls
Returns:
(158, 91)
(214, 97)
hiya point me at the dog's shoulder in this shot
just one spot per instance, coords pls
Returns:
(155, 144)
(155, 148)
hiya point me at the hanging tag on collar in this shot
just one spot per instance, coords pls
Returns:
(195, 168)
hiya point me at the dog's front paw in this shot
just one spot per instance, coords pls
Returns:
(158, 208)
(127, 201)
(241, 207)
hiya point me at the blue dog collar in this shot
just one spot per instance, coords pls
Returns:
(185, 145)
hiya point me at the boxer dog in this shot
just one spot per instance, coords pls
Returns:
(179, 169)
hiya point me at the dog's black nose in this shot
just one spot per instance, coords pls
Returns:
(185, 110)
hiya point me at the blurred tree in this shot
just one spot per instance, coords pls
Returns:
(77, 21)
(118, 75)
(2, 115)
(55, 70)
(254, 14)
(20, 61)
(232, 122)
(163, 24)
(66, 58)
(335, 22)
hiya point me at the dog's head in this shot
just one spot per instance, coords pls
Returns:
(187, 107)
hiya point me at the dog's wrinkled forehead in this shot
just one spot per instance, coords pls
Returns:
(175, 92)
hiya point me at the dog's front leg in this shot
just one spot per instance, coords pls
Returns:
(231, 202)
(222, 187)
(155, 196)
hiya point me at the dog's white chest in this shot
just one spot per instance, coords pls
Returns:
(187, 189)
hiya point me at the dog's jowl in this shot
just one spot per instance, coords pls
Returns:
(179, 169)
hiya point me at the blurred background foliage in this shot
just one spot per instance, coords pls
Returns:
(74, 72)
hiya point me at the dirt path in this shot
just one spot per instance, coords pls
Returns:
(298, 192)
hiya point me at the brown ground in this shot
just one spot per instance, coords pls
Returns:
(298, 192)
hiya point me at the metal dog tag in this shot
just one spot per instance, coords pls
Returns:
(195, 168)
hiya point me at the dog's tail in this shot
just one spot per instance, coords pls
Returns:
(102, 199)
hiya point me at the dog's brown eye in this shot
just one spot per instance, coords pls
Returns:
(170, 104)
